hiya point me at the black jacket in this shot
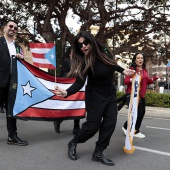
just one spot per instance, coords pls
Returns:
(5, 62)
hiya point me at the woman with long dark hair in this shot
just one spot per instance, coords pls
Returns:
(95, 62)
(139, 65)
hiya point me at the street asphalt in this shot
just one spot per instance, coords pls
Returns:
(47, 150)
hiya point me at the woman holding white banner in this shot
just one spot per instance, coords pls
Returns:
(95, 61)
(138, 64)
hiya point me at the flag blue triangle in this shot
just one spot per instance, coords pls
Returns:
(51, 56)
(168, 64)
(29, 90)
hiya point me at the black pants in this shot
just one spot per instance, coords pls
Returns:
(11, 123)
(141, 113)
(102, 117)
(76, 122)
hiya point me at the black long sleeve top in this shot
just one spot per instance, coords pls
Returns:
(65, 67)
(101, 77)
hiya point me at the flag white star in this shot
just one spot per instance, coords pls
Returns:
(52, 56)
(27, 89)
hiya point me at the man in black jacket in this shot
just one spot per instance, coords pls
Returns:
(162, 83)
(9, 48)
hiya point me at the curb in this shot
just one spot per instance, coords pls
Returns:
(156, 112)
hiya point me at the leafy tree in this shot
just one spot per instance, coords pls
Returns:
(128, 26)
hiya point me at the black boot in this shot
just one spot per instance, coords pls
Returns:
(15, 140)
(98, 156)
(72, 150)
(57, 126)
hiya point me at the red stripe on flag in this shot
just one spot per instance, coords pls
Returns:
(36, 55)
(45, 113)
(46, 76)
(41, 45)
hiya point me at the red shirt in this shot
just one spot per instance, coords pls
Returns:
(145, 80)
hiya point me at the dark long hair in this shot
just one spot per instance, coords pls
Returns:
(134, 59)
(82, 63)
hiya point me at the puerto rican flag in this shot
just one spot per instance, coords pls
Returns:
(32, 95)
(44, 55)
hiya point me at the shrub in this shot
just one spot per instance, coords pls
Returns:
(157, 99)
(154, 99)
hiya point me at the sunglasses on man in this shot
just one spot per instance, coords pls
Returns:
(15, 28)
(85, 42)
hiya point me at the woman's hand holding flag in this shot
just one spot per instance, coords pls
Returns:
(60, 92)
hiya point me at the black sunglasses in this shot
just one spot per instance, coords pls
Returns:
(85, 42)
(15, 28)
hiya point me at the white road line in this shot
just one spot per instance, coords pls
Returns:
(157, 118)
(157, 128)
(152, 151)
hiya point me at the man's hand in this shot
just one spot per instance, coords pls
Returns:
(19, 56)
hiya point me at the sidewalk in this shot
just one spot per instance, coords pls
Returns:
(158, 112)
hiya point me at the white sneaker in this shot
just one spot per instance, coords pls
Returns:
(124, 130)
(139, 135)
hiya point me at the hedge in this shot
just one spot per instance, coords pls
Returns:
(154, 99)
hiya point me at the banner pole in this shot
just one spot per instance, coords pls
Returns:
(55, 77)
(56, 64)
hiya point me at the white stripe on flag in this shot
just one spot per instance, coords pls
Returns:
(60, 105)
(50, 85)
(40, 60)
(40, 50)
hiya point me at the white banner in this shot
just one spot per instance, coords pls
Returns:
(132, 114)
